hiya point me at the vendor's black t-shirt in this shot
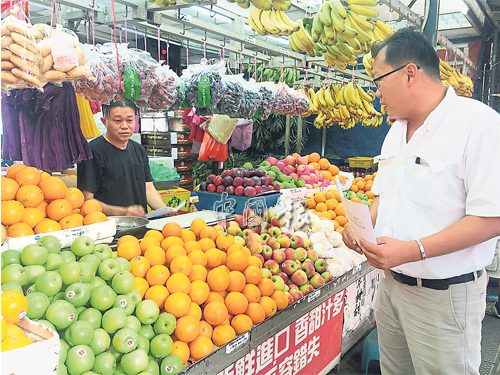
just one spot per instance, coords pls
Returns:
(117, 177)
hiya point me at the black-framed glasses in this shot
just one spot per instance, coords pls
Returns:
(375, 80)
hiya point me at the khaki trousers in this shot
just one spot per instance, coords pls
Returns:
(425, 331)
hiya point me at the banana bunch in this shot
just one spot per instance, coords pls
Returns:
(290, 75)
(282, 5)
(271, 22)
(368, 63)
(87, 121)
(451, 77)
(301, 41)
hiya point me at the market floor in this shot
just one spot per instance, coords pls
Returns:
(350, 363)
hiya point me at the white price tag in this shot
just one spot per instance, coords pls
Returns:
(284, 51)
(237, 342)
(312, 296)
(251, 39)
(356, 269)
(184, 17)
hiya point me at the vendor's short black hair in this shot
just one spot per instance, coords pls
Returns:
(106, 109)
(409, 45)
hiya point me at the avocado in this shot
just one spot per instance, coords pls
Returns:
(281, 184)
(289, 185)
(271, 174)
(247, 165)
(299, 182)
(284, 178)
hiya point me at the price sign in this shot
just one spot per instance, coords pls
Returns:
(184, 17)
(284, 51)
(312, 296)
(237, 342)
(251, 39)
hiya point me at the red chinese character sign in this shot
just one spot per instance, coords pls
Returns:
(307, 346)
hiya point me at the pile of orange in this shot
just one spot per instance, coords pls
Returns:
(322, 164)
(364, 185)
(328, 206)
(14, 308)
(34, 202)
(212, 285)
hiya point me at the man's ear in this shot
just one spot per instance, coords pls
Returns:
(103, 120)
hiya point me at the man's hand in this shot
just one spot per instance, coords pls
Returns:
(349, 240)
(135, 210)
(389, 252)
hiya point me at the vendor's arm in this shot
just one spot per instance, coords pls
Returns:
(110, 210)
(467, 232)
(153, 197)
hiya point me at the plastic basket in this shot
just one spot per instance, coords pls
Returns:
(208, 200)
(361, 162)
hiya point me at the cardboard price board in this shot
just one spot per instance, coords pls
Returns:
(307, 346)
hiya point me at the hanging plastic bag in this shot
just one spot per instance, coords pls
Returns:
(285, 103)
(251, 100)
(212, 150)
(140, 75)
(204, 90)
(232, 96)
(164, 93)
(268, 99)
(181, 93)
(221, 127)
(242, 135)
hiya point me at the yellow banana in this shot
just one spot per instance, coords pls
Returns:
(328, 98)
(385, 28)
(364, 11)
(363, 95)
(254, 21)
(267, 23)
(287, 21)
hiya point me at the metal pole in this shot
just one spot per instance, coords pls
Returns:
(431, 26)
(299, 134)
(323, 142)
(287, 136)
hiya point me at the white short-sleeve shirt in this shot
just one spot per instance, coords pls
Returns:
(450, 168)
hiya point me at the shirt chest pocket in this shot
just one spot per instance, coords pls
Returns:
(427, 184)
(384, 174)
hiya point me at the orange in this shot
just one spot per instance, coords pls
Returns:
(53, 187)
(360, 185)
(280, 299)
(354, 188)
(215, 257)
(236, 303)
(172, 252)
(223, 334)
(181, 264)
(28, 176)
(223, 241)
(323, 164)
(327, 175)
(214, 296)
(206, 243)
(333, 215)
(199, 291)
(256, 312)
(89, 206)
(141, 285)
(224, 267)
(331, 203)
(181, 349)
(237, 261)
(30, 195)
(157, 293)
(209, 232)
(178, 304)
(197, 225)
(223, 293)
(241, 323)
(370, 195)
(171, 229)
(129, 250)
(44, 174)
(321, 207)
(269, 306)
(251, 292)
(126, 238)
(32, 216)
(198, 257)
(316, 166)
(187, 328)
(218, 279)
(47, 226)
(14, 306)
(342, 220)
(235, 247)
(201, 347)
(13, 170)
(192, 246)
(266, 287)
(139, 266)
(9, 189)
(319, 197)
(199, 272)
(155, 234)
(75, 197)
(333, 169)
(336, 223)
(215, 313)
(237, 281)
(311, 203)
(342, 179)
(171, 241)
(70, 221)
(206, 329)
(155, 255)
(339, 210)
(179, 283)
(12, 330)
(195, 311)
(94, 218)
(187, 235)
(314, 157)
(157, 275)
(15, 342)
(58, 209)
(19, 230)
(253, 274)
(147, 243)
(330, 194)
(356, 200)
(254, 261)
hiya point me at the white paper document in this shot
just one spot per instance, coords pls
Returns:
(162, 212)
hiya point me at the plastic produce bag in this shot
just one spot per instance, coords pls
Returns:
(285, 103)
(221, 127)
(267, 101)
(251, 100)
(164, 93)
(212, 150)
(232, 96)
(242, 135)
(204, 90)
(181, 95)
(139, 76)
(41, 31)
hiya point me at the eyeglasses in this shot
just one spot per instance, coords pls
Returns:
(375, 80)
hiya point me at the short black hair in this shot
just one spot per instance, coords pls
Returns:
(106, 109)
(409, 45)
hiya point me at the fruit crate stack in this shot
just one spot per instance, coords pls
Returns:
(184, 160)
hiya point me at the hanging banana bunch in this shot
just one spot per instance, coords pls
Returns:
(270, 21)
(452, 77)
(368, 63)
(87, 121)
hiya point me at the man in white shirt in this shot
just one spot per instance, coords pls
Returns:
(435, 219)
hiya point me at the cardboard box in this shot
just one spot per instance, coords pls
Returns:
(178, 125)
(157, 138)
(184, 152)
(183, 139)
(186, 178)
(158, 150)
(174, 197)
(184, 165)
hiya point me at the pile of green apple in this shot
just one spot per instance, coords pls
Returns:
(87, 295)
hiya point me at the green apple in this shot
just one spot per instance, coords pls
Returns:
(34, 254)
(147, 331)
(12, 285)
(28, 289)
(11, 257)
(118, 355)
(161, 345)
(124, 263)
(49, 283)
(134, 362)
(97, 282)
(51, 243)
(102, 297)
(134, 323)
(136, 296)
(93, 316)
(92, 259)
(143, 343)
(103, 251)
(147, 311)
(79, 310)
(14, 272)
(88, 273)
(58, 297)
(61, 314)
(67, 256)
(70, 272)
(63, 353)
(78, 294)
(61, 369)
(123, 282)
(119, 369)
(153, 366)
(100, 342)
(80, 359)
(38, 303)
(109, 268)
(83, 245)
(125, 340)
(165, 324)
(91, 372)
(171, 365)
(124, 302)
(54, 261)
(32, 272)
(46, 323)
(104, 364)
(113, 320)
(80, 332)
